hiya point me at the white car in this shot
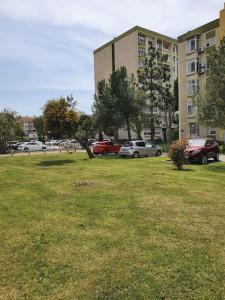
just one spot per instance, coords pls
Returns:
(32, 146)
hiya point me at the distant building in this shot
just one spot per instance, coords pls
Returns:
(28, 127)
(129, 49)
(193, 50)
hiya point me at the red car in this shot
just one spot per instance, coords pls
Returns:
(106, 147)
(201, 150)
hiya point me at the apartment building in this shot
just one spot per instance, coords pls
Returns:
(28, 127)
(193, 50)
(128, 49)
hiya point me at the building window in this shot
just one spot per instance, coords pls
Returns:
(212, 132)
(211, 41)
(191, 109)
(141, 40)
(194, 129)
(141, 64)
(159, 45)
(192, 87)
(191, 66)
(192, 44)
(141, 52)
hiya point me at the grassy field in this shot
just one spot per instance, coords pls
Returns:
(109, 228)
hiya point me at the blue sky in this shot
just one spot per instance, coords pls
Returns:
(46, 46)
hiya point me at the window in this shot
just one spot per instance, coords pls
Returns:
(191, 108)
(211, 41)
(174, 49)
(141, 52)
(212, 131)
(192, 86)
(141, 64)
(140, 144)
(191, 66)
(194, 129)
(159, 45)
(141, 40)
(192, 44)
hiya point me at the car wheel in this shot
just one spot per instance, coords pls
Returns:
(158, 153)
(43, 148)
(104, 152)
(217, 157)
(204, 160)
(135, 155)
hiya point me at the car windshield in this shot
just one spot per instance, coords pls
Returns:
(196, 142)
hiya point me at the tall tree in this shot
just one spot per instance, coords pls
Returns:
(123, 89)
(148, 78)
(168, 103)
(211, 100)
(105, 111)
(39, 126)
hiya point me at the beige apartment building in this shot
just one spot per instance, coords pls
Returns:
(128, 49)
(193, 49)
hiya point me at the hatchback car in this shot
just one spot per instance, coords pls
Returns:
(200, 150)
(140, 148)
(106, 147)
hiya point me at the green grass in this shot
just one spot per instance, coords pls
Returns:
(108, 228)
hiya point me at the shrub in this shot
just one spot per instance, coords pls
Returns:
(176, 153)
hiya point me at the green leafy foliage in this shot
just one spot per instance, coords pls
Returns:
(211, 100)
(176, 153)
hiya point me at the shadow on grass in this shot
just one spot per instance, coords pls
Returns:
(49, 163)
(217, 167)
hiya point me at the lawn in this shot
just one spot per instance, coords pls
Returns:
(110, 228)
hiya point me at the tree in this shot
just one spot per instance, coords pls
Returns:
(148, 78)
(105, 111)
(39, 125)
(169, 99)
(9, 126)
(122, 88)
(155, 81)
(60, 118)
(211, 100)
(86, 129)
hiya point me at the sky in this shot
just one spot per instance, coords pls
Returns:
(46, 46)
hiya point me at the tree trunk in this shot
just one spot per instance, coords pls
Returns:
(168, 136)
(128, 129)
(116, 135)
(100, 136)
(85, 145)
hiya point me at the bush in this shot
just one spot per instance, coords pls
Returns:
(176, 153)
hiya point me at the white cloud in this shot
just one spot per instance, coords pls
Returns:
(113, 17)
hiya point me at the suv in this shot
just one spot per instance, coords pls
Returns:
(106, 147)
(136, 149)
(201, 150)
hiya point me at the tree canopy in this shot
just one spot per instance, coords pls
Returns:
(211, 100)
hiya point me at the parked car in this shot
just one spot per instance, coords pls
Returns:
(50, 143)
(32, 146)
(201, 150)
(106, 147)
(139, 148)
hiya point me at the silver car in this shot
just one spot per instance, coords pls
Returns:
(140, 148)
